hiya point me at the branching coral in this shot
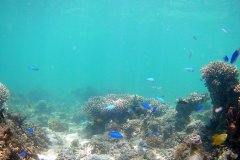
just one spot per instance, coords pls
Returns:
(95, 106)
(221, 79)
(184, 110)
(4, 94)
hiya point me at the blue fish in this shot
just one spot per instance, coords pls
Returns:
(161, 99)
(224, 30)
(198, 108)
(131, 109)
(194, 37)
(225, 58)
(23, 154)
(34, 68)
(151, 79)
(115, 135)
(145, 105)
(154, 109)
(190, 69)
(154, 133)
(201, 80)
(235, 56)
(109, 107)
(30, 130)
(84, 123)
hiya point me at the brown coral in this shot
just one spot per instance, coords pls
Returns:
(233, 119)
(154, 141)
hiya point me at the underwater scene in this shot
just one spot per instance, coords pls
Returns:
(119, 80)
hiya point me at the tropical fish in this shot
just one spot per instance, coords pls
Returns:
(182, 102)
(198, 108)
(145, 105)
(154, 133)
(161, 99)
(131, 109)
(84, 123)
(162, 96)
(219, 109)
(34, 68)
(29, 106)
(201, 80)
(225, 58)
(150, 79)
(145, 146)
(194, 37)
(218, 139)
(92, 123)
(235, 56)
(154, 109)
(30, 130)
(22, 154)
(190, 55)
(99, 120)
(190, 69)
(115, 135)
(109, 107)
(224, 30)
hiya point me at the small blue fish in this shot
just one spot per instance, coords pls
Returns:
(109, 107)
(115, 135)
(131, 109)
(161, 99)
(23, 154)
(30, 130)
(34, 68)
(145, 105)
(154, 109)
(201, 80)
(84, 123)
(194, 37)
(198, 108)
(190, 69)
(225, 58)
(235, 56)
(224, 30)
(154, 133)
(150, 79)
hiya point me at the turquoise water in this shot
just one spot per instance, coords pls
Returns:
(114, 44)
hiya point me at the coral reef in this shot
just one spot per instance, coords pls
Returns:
(17, 118)
(220, 79)
(190, 149)
(57, 126)
(184, 110)
(4, 94)
(43, 107)
(94, 106)
(13, 142)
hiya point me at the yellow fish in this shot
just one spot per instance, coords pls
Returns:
(218, 139)
(99, 120)
(92, 123)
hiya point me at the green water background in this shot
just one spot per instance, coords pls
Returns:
(119, 44)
